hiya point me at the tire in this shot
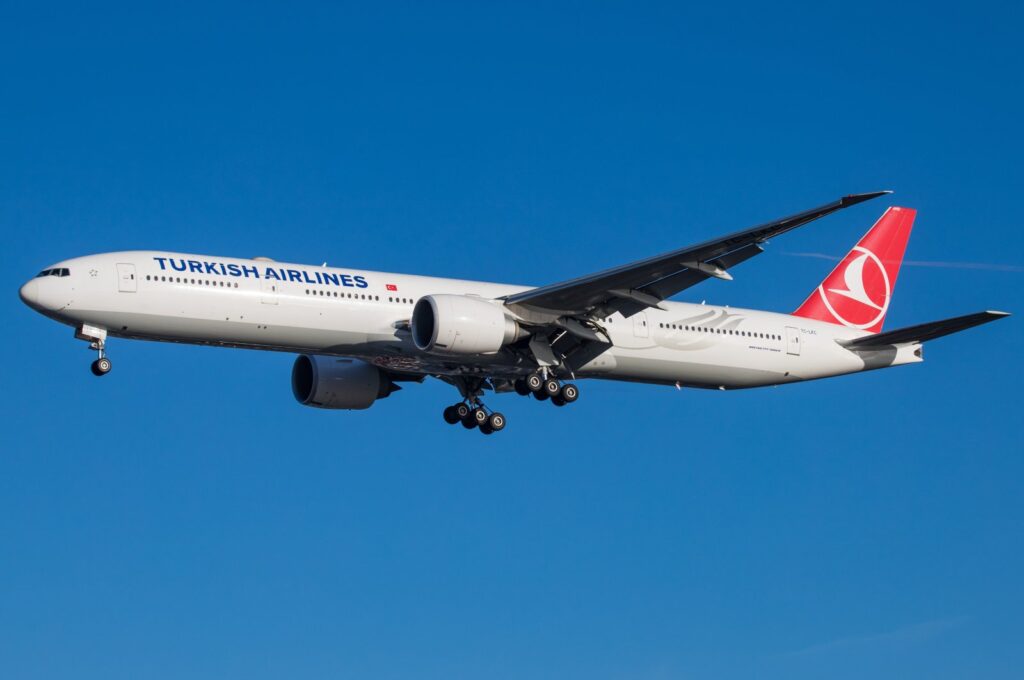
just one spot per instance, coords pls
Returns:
(534, 383)
(486, 429)
(540, 396)
(557, 400)
(497, 422)
(461, 410)
(552, 387)
(101, 366)
(521, 388)
(450, 416)
(479, 417)
(569, 393)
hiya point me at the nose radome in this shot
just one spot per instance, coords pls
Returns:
(29, 293)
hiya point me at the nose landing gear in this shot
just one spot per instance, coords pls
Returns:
(101, 366)
(97, 338)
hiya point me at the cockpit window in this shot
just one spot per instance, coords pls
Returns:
(58, 271)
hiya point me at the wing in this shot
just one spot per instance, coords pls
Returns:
(923, 332)
(635, 286)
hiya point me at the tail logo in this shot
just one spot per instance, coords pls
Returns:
(865, 298)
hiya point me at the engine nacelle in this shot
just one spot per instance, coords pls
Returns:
(336, 382)
(461, 324)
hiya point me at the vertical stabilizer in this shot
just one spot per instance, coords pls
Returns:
(858, 291)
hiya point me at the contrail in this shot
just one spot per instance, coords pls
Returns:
(985, 266)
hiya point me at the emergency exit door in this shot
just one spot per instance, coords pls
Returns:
(268, 291)
(640, 325)
(792, 340)
(126, 282)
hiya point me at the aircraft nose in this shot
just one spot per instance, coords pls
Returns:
(29, 293)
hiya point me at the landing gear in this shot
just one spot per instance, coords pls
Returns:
(543, 387)
(475, 416)
(101, 366)
(472, 413)
(552, 387)
(495, 423)
(455, 413)
(479, 416)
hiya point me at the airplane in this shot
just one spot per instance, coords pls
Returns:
(359, 334)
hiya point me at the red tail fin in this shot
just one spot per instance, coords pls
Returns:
(858, 291)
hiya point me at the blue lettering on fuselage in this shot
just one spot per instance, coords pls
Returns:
(232, 269)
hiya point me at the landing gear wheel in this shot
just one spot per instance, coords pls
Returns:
(466, 416)
(521, 388)
(486, 429)
(569, 393)
(540, 396)
(496, 423)
(479, 417)
(451, 416)
(534, 383)
(558, 400)
(101, 366)
(551, 387)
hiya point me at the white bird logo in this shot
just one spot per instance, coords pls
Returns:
(854, 279)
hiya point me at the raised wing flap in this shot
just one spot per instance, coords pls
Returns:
(923, 332)
(669, 273)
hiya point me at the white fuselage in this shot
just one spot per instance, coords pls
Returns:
(260, 304)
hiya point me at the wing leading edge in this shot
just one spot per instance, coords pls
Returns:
(632, 287)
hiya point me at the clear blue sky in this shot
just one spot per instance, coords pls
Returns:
(184, 517)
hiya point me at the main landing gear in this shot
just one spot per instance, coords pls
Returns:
(476, 415)
(543, 388)
(472, 413)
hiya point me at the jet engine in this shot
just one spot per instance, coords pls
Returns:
(461, 324)
(336, 382)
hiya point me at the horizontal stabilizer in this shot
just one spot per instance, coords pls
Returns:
(924, 331)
